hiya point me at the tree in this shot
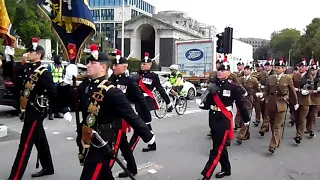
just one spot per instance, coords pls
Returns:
(282, 42)
(262, 52)
(26, 22)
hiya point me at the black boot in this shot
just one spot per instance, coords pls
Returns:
(58, 115)
(124, 174)
(43, 172)
(222, 174)
(151, 147)
(50, 117)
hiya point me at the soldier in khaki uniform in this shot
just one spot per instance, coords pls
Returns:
(315, 100)
(292, 116)
(251, 85)
(240, 66)
(303, 91)
(279, 88)
(257, 101)
(263, 77)
(238, 74)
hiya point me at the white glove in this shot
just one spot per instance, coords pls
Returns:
(296, 89)
(259, 95)
(296, 107)
(304, 92)
(262, 99)
(318, 89)
(153, 139)
(67, 117)
(245, 94)
(262, 86)
(198, 101)
(247, 123)
(9, 51)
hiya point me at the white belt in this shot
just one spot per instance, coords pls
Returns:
(145, 94)
(216, 108)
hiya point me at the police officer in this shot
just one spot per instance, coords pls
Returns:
(219, 103)
(133, 93)
(147, 82)
(103, 105)
(57, 71)
(36, 80)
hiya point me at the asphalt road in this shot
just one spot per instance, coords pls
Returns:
(183, 150)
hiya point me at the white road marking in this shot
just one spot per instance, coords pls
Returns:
(55, 132)
(69, 138)
(152, 171)
(145, 168)
(45, 128)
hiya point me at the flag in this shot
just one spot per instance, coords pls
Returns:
(5, 25)
(72, 22)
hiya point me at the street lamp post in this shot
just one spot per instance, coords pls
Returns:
(290, 57)
(122, 31)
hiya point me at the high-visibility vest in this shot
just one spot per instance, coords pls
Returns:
(173, 79)
(57, 73)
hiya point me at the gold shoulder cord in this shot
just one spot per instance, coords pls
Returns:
(93, 109)
(34, 77)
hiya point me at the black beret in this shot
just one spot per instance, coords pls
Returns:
(37, 48)
(100, 58)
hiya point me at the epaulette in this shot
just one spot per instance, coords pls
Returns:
(106, 85)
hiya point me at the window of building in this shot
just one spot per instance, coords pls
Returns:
(96, 15)
(107, 29)
(107, 14)
(97, 27)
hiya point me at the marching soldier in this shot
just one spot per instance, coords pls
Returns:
(251, 85)
(279, 88)
(133, 93)
(257, 101)
(33, 105)
(240, 66)
(147, 82)
(213, 73)
(315, 99)
(219, 103)
(263, 81)
(303, 84)
(103, 106)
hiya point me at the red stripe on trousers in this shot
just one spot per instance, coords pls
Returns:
(135, 144)
(97, 172)
(116, 146)
(216, 160)
(26, 145)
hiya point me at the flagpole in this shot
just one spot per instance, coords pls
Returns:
(122, 31)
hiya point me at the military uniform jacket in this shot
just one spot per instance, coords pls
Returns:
(212, 75)
(280, 91)
(239, 74)
(263, 77)
(44, 86)
(151, 80)
(251, 85)
(315, 95)
(303, 99)
(133, 93)
(113, 108)
(228, 93)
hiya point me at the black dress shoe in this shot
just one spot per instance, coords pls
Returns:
(43, 172)
(311, 134)
(239, 141)
(203, 178)
(223, 174)
(151, 147)
(271, 150)
(124, 174)
(261, 133)
(298, 140)
(50, 117)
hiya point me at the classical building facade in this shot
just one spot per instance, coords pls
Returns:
(157, 36)
(255, 42)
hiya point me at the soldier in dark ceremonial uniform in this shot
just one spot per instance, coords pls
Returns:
(37, 89)
(133, 93)
(103, 107)
(219, 102)
(148, 81)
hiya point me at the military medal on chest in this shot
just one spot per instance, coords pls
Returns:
(94, 108)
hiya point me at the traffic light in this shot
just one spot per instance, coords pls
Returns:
(227, 40)
(220, 37)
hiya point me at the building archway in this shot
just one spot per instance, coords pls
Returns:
(147, 39)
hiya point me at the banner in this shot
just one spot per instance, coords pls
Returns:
(72, 22)
(5, 25)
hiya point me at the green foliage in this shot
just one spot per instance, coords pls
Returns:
(282, 42)
(26, 22)
(262, 52)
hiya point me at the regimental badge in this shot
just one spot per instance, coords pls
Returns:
(91, 119)
(123, 88)
(26, 93)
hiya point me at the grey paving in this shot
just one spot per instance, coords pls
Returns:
(183, 150)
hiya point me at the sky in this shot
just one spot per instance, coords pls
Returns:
(249, 18)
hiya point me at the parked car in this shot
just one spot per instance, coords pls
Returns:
(188, 88)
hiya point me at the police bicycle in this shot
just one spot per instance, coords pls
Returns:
(179, 103)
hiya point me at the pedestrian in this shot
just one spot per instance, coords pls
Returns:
(102, 106)
(33, 104)
(131, 89)
(219, 102)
